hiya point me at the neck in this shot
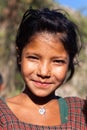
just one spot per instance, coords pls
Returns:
(39, 100)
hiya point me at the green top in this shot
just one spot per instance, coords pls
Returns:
(63, 110)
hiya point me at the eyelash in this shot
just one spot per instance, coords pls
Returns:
(59, 61)
(32, 57)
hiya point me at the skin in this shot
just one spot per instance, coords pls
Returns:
(44, 65)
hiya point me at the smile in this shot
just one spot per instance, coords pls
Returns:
(42, 84)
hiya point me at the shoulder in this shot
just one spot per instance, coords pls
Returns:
(2, 104)
(6, 115)
(77, 109)
(3, 112)
(7, 118)
(75, 101)
(76, 106)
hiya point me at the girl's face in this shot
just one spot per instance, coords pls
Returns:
(44, 64)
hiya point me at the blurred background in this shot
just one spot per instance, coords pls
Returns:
(11, 12)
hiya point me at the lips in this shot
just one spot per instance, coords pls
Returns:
(40, 84)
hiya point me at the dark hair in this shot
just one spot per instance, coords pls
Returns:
(1, 79)
(53, 21)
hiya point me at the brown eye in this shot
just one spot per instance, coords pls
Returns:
(32, 57)
(59, 61)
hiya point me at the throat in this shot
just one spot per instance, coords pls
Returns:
(39, 100)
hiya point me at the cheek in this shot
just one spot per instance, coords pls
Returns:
(27, 67)
(60, 72)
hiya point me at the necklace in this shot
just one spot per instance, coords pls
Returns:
(42, 110)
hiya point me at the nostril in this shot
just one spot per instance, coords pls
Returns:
(43, 76)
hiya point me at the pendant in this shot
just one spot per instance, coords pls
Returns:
(42, 111)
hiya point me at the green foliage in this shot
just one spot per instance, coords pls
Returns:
(40, 4)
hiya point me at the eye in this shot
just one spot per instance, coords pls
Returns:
(59, 62)
(32, 57)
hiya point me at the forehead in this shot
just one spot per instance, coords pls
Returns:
(46, 42)
(47, 37)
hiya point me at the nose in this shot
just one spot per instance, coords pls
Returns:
(44, 70)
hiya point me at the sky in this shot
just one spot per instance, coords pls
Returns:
(75, 4)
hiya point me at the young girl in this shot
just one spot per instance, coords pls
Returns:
(47, 45)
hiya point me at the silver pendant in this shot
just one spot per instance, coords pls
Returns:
(42, 111)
